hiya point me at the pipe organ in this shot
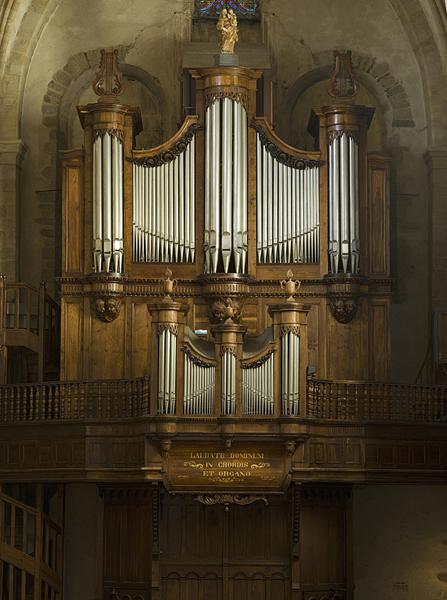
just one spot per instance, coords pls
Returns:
(229, 268)
(229, 207)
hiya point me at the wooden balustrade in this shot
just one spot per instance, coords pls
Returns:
(122, 399)
(75, 400)
(364, 401)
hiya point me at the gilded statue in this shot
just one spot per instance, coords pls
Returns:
(227, 25)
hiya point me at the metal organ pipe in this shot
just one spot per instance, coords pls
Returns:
(344, 232)
(200, 386)
(228, 364)
(226, 220)
(108, 247)
(290, 369)
(167, 371)
(257, 387)
(164, 209)
(287, 210)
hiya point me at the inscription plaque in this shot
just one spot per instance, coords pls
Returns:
(206, 467)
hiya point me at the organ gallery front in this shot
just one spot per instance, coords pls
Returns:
(225, 351)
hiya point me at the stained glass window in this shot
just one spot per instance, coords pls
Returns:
(212, 8)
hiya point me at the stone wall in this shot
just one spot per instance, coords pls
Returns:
(400, 542)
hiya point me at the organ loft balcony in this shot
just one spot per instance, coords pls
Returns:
(221, 288)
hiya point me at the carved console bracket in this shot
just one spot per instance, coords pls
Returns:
(228, 499)
(344, 298)
(225, 295)
(106, 294)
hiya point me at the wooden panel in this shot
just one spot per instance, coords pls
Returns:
(323, 540)
(128, 542)
(106, 358)
(237, 554)
(71, 359)
(72, 191)
(379, 340)
(379, 215)
(139, 331)
(346, 347)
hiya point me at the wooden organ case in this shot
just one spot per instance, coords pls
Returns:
(180, 267)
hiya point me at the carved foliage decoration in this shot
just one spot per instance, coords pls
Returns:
(236, 95)
(285, 329)
(107, 309)
(172, 327)
(343, 307)
(196, 360)
(259, 361)
(228, 310)
(228, 499)
(279, 154)
(169, 154)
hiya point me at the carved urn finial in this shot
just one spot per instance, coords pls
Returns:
(108, 83)
(168, 285)
(291, 287)
(343, 85)
(227, 25)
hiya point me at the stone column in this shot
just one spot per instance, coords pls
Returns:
(12, 153)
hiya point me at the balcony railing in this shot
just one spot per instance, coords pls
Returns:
(373, 402)
(74, 400)
(123, 399)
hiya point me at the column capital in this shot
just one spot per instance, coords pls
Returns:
(12, 152)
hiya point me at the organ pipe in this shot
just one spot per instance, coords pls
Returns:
(228, 374)
(290, 368)
(200, 386)
(164, 210)
(258, 387)
(344, 228)
(288, 210)
(167, 370)
(226, 221)
(108, 246)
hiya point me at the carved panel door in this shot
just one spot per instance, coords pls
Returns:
(208, 552)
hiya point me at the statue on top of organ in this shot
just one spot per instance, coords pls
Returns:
(230, 207)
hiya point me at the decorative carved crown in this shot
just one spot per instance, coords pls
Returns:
(343, 85)
(108, 83)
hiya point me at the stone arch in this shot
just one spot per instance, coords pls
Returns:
(21, 29)
(66, 85)
(414, 20)
(375, 76)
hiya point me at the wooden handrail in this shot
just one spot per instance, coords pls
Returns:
(74, 400)
(376, 402)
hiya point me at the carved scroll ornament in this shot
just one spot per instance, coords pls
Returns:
(228, 499)
(169, 154)
(280, 155)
